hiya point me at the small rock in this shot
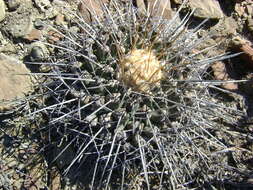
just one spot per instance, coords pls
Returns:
(225, 27)
(74, 29)
(12, 85)
(60, 20)
(43, 5)
(89, 8)
(33, 35)
(38, 24)
(13, 4)
(8, 48)
(206, 9)
(19, 25)
(51, 13)
(2, 10)
(38, 52)
(54, 36)
(230, 26)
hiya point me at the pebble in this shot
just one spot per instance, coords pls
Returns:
(60, 19)
(2, 10)
(43, 5)
(11, 84)
(38, 52)
(38, 24)
(13, 4)
(19, 25)
(54, 36)
(225, 27)
(206, 9)
(34, 35)
(87, 9)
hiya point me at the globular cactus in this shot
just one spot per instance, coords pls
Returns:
(129, 95)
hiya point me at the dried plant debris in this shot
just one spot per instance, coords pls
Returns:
(124, 102)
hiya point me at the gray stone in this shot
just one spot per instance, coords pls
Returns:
(39, 24)
(19, 25)
(38, 52)
(206, 9)
(12, 84)
(13, 4)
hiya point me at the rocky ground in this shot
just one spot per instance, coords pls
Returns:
(24, 23)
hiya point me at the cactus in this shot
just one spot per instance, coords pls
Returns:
(128, 95)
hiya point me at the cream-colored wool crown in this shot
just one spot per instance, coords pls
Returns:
(141, 70)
